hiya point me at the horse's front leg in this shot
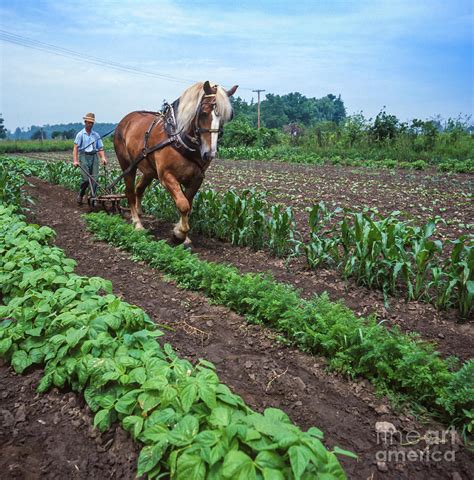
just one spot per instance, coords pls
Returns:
(181, 229)
(190, 192)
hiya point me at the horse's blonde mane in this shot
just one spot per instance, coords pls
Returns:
(190, 101)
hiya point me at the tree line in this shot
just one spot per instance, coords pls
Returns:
(61, 131)
(292, 108)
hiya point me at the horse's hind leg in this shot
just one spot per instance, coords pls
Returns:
(140, 190)
(124, 160)
(132, 198)
(181, 229)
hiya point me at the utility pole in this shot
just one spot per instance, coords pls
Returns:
(258, 107)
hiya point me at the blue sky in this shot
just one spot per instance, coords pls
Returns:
(415, 58)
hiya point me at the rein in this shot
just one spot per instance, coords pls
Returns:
(187, 145)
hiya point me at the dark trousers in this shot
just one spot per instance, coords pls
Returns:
(89, 163)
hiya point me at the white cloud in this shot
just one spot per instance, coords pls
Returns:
(374, 53)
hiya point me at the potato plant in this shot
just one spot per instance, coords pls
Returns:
(190, 425)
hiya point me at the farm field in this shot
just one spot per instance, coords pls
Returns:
(450, 196)
(418, 195)
(248, 357)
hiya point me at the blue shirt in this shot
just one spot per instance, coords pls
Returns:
(88, 143)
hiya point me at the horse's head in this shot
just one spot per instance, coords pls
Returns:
(214, 111)
(203, 110)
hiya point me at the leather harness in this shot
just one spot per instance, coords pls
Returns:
(187, 145)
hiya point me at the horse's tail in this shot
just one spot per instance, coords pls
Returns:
(120, 145)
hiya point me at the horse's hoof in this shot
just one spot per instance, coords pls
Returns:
(187, 244)
(177, 240)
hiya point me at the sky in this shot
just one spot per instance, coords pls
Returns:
(415, 58)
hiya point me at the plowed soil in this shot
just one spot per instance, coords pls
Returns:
(248, 358)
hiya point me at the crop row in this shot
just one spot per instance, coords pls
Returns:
(379, 252)
(390, 254)
(190, 424)
(294, 155)
(24, 146)
(394, 362)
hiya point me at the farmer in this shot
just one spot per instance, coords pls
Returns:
(86, 147)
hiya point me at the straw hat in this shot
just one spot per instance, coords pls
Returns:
(89, 117)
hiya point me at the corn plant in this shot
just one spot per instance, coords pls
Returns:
(157, 202)
(389, 254)
(453, 282)
(280, 229)
(323, 246)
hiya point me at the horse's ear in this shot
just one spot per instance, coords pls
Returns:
(207, 88)
(232, 90)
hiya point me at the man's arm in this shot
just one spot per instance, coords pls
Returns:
(102, 156)
(75, 156)
(100, 148)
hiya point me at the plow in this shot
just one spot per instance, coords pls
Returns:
(106, 198)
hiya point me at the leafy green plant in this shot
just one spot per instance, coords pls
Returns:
(394, 362)
(190, 424)
(390, 254)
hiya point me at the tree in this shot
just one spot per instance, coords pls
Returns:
(38, 135)
(430, 132)
(355, 127)
(244, 111)
(273, 111)
(385, 127)
(3, 130)
(69, 134)
(239, 133)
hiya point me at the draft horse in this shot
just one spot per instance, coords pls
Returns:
(175, 146)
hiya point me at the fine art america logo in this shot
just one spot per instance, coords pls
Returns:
(414, 446)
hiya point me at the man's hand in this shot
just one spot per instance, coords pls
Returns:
(76, 163)
(104, 161)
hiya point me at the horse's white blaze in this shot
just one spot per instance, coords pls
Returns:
(211, 149)
(214, 136)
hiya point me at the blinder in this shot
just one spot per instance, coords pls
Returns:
(199, 130)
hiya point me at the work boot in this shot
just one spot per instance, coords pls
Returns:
(80, 199)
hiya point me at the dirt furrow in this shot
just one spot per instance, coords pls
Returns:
(248, 357)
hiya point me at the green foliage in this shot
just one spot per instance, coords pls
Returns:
(23, 146)
(357, 141)
(3, 130)
(383, 253)
(394, 362)
(296, 108)
(12, 181)
(190, 425)
(385, 127)
(39, 135)
(238, 133)
(389, 254)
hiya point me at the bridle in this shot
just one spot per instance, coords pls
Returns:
(198, 131)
